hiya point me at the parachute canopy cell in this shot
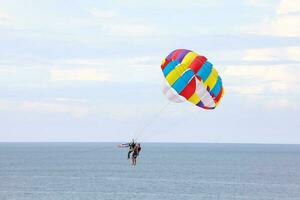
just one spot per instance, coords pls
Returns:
(191, 77)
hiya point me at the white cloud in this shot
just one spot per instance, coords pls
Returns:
(115, 24)
(262, 79)
(263, 72)
(113, 69)
(128, 29)
(288, 6)
(7, 71)
(280, 104)
(246, 89)
(45, 106)
(284, 23)
(124, 69)
(83, 61)
(281, 25)
(273, 54)
(126, 61)
(283, 7)
(103, 14)
(5, 19)
(50, 107)
(260, 3)
(82, 74)
(271, 87)
(4, 104)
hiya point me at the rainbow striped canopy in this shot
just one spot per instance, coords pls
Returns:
(191, 77)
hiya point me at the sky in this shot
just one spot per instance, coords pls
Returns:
(89, 71)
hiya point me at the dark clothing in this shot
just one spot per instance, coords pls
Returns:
(131, 145)
(136, 151)
(131, 148)
(135, 154)
(129, 152)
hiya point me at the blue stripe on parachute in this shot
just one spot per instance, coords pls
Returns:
(205, 70)
(215, 91)
(182, 81)
(170, 66)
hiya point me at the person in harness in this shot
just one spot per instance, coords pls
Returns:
(131, 145)
(136, 152)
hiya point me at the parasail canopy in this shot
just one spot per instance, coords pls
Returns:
(191, 77)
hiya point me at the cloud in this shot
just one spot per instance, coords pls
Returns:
(5, 19)
(273, 54)
(7, 71)
(128, 29)
(288, 6)
(129, 61)
(4, 104)
(285, 22)
(115, 24)
(262, 79)
(103, 14)
(260, 3)
(284, 25)
(280, 104)
(272, 87)
(122, 69)
(281, 25)
(83, 61)
(246, 89)
(45, 106)
(118, 69)
(50, 107)
(81, 74)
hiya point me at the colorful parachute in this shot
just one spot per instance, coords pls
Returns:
(191, 77)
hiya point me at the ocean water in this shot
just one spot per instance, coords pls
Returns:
(96, 171)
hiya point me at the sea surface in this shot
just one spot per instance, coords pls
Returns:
(101, 171)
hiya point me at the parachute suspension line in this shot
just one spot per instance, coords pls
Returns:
(141, 130)
(174, 124)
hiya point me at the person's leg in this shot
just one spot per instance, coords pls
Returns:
(132, 159)
(129, 152)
